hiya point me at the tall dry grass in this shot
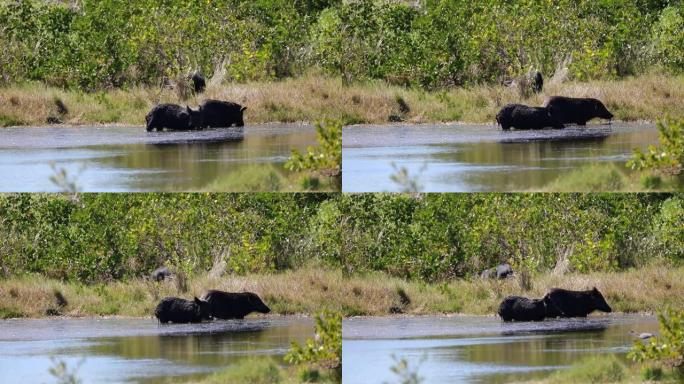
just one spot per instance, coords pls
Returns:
(312, 97)
(309, 290)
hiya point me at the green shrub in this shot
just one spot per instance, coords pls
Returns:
(667, 349)
(325, 349)
(109, 43)
(251, 371)
(668, 157)
(95, 237)
(668, 38)
(604, 369)
(326, 157)
(442, 236)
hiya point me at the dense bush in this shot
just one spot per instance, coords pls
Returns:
(668, 348)
(93, 237)
(326, 157)
(443, 236)
(96, 44)
(668, 156)
(668, 37)
(109, 43)
(325, 349)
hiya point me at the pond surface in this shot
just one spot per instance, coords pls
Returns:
(477, 349)
(470, 158)
(125, 158)
(139, 350)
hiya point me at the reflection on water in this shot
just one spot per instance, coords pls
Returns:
(115, 158)
(467, 349)
(139, 350)
(460, 158)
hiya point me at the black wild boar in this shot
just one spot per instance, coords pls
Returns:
(501, 271)
(176, 310)
(523, 117)
(161, 274)
(517, 308)
(221, 114)
(227, 305)
(173, 117)
(538, 84)
(551, 310)
(198, 82)
(569, 110)
(577, 303)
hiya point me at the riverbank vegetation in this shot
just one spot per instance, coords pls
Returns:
(298, 292)
(315, 97)
(366, 254)
(104, 237)
(308, 290)
(438, 237)
(431, 44)
(361, 61)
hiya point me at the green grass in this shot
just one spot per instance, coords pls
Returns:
(611, 369)
(258, 178)
(603, 369)
(257, 371)
(266, 370)
(614, 178)
(10, 313)
(10, 121)
(314, 97)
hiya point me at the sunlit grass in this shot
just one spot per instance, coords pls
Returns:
(314, 97)
(309, 290)
(609, 369)
(267, 370)
(270, 178)
(614, 178)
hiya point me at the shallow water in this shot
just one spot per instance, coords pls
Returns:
(139, 350)
(118, 159)
(472, 349)
(470, 158)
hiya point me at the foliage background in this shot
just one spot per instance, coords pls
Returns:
(100, 237)
(442, 236)
(101, 44)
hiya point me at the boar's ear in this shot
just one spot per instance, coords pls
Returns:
(595, 290)
(198, 301)
(243, 109)
(187, 107)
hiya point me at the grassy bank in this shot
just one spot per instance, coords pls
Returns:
(611, 369)
(603, 177)
(308, 290)
(639, 290)
(296, 292)
(267, 371)
(257, 178)
(313, 97)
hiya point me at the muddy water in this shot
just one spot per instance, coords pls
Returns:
(467, 158)
(467, 349)
(117, 159)
(139, 350)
